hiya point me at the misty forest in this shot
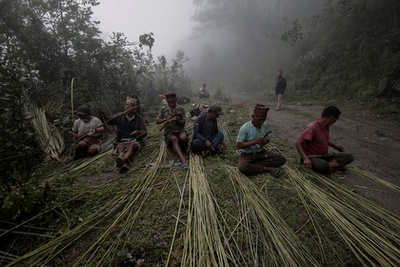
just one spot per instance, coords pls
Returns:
(86, 212)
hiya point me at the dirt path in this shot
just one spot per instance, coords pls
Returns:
(374, 145)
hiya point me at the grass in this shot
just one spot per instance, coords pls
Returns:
(210, 215)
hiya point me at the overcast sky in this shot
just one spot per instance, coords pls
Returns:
(169, 20)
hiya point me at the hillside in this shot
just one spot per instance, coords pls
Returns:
(158, 214)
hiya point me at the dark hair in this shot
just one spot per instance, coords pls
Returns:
(280, 71)
(330, 111)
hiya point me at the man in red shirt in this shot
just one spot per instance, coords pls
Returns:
(313, 145)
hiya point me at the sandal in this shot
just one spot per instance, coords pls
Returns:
(68, 160)
(120, 163)
(124, 168)
(184, 165)
(275, 172)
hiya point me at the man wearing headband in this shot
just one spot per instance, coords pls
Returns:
(87, 130)
(172, 117)
(131, 130)
(252, 138)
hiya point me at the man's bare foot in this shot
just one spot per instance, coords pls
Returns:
(124, 168)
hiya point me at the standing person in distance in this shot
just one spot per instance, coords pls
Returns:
(280, 87)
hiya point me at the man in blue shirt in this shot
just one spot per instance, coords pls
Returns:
(251, 139)
(131, 130)
(280, 86)
(206, 136)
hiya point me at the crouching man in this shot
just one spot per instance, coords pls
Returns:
(252, 138)
(313, 145)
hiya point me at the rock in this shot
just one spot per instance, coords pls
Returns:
(368, 93)
(384, 87)
(396, 87)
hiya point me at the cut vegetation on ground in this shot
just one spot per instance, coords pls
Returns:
(211, 215)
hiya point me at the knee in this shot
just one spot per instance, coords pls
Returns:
(197, 143)
(347, 158)
(220, 135)
(81, 145)
(242, 169)
(173, 139)
(183, 138)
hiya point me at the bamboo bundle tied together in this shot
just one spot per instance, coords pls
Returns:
(48, 136)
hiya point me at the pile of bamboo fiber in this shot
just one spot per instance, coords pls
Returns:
(270, 241)
(116, 218)
(205, 243)
(370, 232)
(48, 136)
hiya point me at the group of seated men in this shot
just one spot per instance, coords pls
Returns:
(312, 145)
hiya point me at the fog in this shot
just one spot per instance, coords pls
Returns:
(220, 42)
(169, 21)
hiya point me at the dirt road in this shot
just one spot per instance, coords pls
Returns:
(374, 145)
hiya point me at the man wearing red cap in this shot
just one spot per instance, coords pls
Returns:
(252, 138)
(173, 118)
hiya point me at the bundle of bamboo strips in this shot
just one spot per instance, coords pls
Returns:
(370, 232)
(48, 136)
(123, 210)
(379, 181)
(270, 241)
(205, 243)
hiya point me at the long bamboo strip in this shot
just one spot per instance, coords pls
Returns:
(205, 240)
(364, 236)
(275, 243)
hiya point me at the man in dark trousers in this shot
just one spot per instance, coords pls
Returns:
(313, 145)
(280, 86)
(131, 130)
(207, 139)
(252, 138)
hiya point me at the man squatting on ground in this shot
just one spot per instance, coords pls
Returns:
(250, 142)
(313, 145)
(173, 117)
(87, 130)
(280, 87)
(131, 130)
(207, 139)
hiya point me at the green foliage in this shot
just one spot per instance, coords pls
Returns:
(294, 35)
